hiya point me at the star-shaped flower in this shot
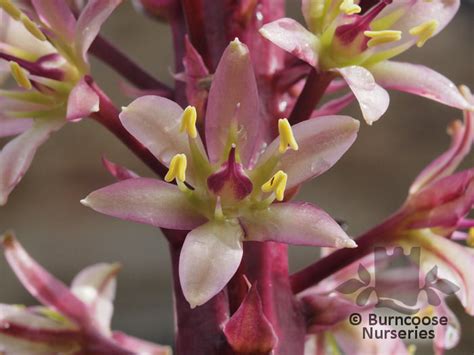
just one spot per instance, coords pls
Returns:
(227, 189)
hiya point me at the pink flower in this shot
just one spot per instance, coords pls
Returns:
(45, 49)
(72, 320)
(225, 190)
(356, 42)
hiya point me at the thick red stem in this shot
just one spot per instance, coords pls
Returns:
(341, 258)
(108, 116)
(313, 91)
(198, 330)
(122, 64)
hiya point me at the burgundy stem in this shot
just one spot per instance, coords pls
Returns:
(198, 330)
(267, 264)
(341, 258)
(313, 90)
(207, 28)
(108, 116)
(122, 64)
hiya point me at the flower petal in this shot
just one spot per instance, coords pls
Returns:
(461, 142)
(446, 336)
(148, 201)
(95, 286)
(41, 284)
(209, 258)
(289, 35)
(89, 22)
(334, 106)
(16, 156)
(351, 341)
(140, 346)
(234, 116)
(248, 330)
(57, 15)
(13, 126)
(453, 261)
(27, 331)
(444, 203)
(118, 171)
(155, 122)
(373, 99)
(82, 101)
(419, 80)
(295, 223)
(322, 142)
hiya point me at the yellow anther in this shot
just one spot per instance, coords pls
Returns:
(411, 349)
(276, 184)
(188, 121)
(177, 168)
(349, 8)
(424, 31)
(10, 9)
(20, 76)
(470, 238)
(381, 37)
(32, 27)
(287, 139)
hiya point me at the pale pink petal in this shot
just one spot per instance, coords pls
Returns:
(89, 22)
(350, 339)
(14, 34)
(13, 126)
(209, 258)
(420, 12)
(57, 15)
(444, 203)
(148, 201)
(118, 171)
(95, 286)
(233, 106)
(461, 142)
(453, 261)
(295, 223)
(140, 346)
(82, 101)
(419, 80)
(41, 284)
(446, 336)
(325, 311)
(155, 122)
(16, 156)
(322, 142)
(334, 106)
(373, 99)
(249, 331)
(28, 331)
(289, 35)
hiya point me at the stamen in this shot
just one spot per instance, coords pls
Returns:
(470, 238)
(32, 27)
(287, 139)
(10, 9)
(277, 184)
(381, 37)
(20, 75)
(188, 121)
(349, 8)
(177, 169)
(218, 212)
(411, 349)
(424, 31)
